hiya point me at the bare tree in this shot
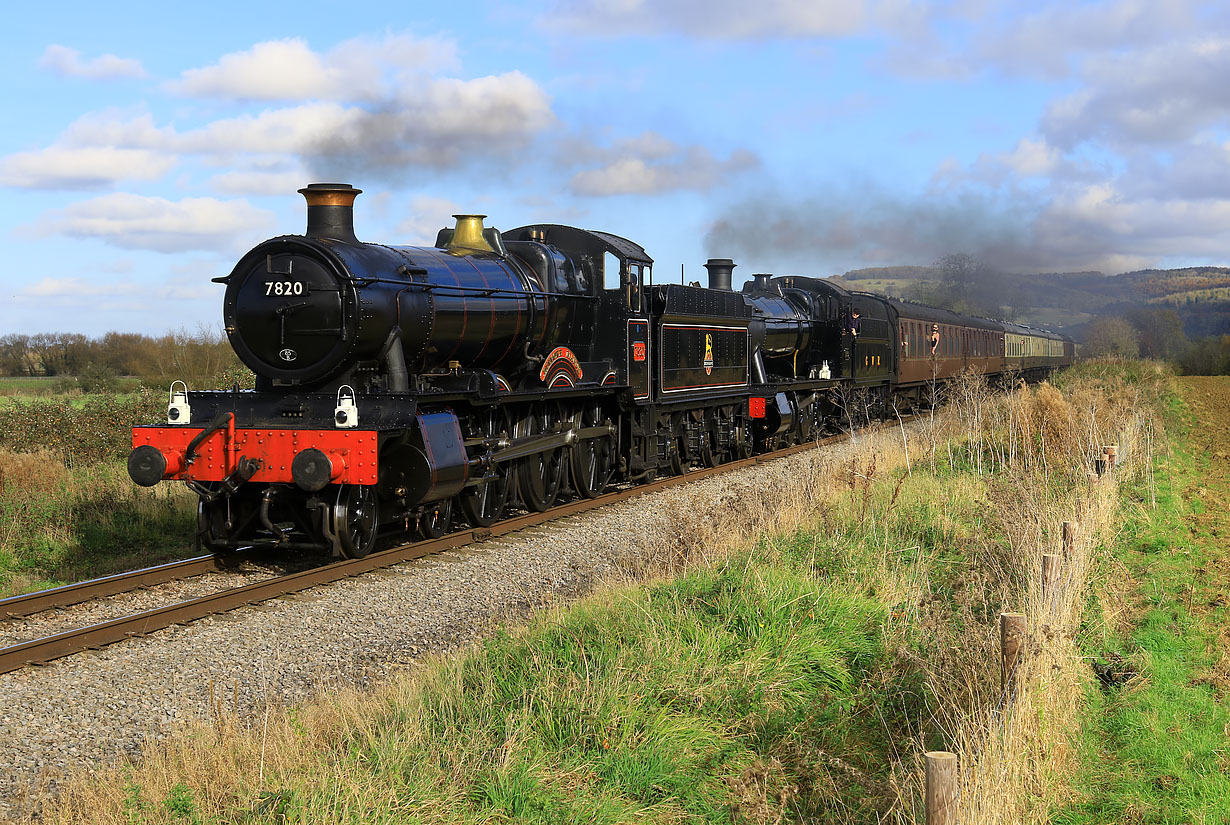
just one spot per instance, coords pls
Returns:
(1113, 337)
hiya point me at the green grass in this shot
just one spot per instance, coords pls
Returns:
(1155, 749)
(782, 684)
(716, 697)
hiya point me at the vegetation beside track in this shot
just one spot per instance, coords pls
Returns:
(1155, 746)
(788, 659)
(68, 510)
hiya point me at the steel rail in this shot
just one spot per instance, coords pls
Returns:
(27, 604)
(50, 648)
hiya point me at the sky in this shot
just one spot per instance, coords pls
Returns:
(148, 145)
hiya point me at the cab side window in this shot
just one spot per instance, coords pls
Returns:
(633, 286)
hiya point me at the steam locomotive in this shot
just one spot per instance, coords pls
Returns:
(400, 390)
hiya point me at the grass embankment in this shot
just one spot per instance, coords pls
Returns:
(68, 510)
(798, 676)
(1157, 746)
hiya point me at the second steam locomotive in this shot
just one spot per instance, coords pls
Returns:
(403, 389)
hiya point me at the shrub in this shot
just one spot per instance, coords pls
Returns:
(94, 430)
(97, 378)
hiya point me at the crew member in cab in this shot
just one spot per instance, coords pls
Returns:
(852, 328)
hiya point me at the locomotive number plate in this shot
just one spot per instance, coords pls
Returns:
(285, 288)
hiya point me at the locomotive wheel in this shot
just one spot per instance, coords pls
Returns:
(681, 460)
(356, 519)
(709, 453)
(210, 526)
(807, 431)
(592, 460)
(539, 476)
(483, 504)
(437, 520)
(742, 444)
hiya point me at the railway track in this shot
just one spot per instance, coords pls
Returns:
(95, 636)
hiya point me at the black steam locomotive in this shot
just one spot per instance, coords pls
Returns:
(402, 389)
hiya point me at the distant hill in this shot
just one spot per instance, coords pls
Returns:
(1067, 301)
(896, 273)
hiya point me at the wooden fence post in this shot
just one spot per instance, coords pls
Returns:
(1069, 538)
(1112, 455)
(941, 787)
(1050, 571)
(1011, 650)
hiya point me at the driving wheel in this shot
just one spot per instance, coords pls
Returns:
(356, 519)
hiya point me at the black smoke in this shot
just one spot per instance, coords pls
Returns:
(849, 226)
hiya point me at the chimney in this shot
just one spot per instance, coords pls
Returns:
(330, 211)
(720, 272)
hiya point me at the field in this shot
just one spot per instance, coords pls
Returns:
(793, 664)
(1154, 747)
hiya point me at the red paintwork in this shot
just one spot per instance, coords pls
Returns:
(219, 454)
(755, 407)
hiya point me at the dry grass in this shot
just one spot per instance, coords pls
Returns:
(1015, 749)
(60, 523)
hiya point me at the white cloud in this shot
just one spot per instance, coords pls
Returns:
(137, 222)
(357, 69)
(259, 182)
(1195, 171)
(118, 127)
(1032, 158)
(428, 215)
(651, 164)
(67, 62)
(1050, 41)
(72, 287)
(435, 123)
(718, 19)
(1162, 94)
(442, 124)
(82, 167)
(291, 130)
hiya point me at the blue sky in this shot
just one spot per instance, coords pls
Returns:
(147, 145)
